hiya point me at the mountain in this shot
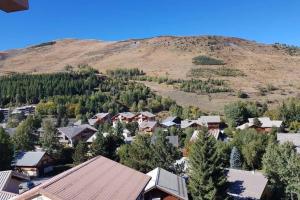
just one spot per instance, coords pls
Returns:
(262, 65)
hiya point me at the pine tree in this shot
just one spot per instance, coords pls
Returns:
(80, 154)
(164, 153)
(235, 158)
(137, 155)
(98, 146)
(119, 129)
(49, 139)
(207, 175)
(6, 150)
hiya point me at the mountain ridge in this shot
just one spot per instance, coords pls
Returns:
(170, 56)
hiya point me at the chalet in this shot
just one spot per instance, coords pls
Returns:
(171, 121)
(246, 184)
(98, 179)
(166, 186)
(72, 134)
(9, 183)
(33, 163)
(148, 126)
(266, 124)
(189, 124)
(13, 5)
(125, 117)
(99, 118)
(211, 122)
(290, 137)
(145, 117)
(213, 132)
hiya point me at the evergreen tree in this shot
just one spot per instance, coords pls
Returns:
(235, 158)
(206, 171)
(6, 150)
(164, 153)
(98, 145)
(119, 129)
(80, 154)
(49, 139)
(137, 155)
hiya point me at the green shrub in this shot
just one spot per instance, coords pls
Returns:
(205, 60)
(221, 71)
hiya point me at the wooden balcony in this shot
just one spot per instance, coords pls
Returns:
(13, 5)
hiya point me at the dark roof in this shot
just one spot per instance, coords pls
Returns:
(97, 179)
(173, 139)
(167, 182)
(29, 159)
(72, 131)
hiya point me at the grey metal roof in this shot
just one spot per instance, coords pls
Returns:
(168, 119)
(167, 182)
(246, 184)
(10, 131)
(173, 139)
(72, 131)
(4, 177)
(209, 119)
(29, 159)
(290, 137)
(6, 195)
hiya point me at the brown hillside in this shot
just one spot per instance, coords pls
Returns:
(171, 56)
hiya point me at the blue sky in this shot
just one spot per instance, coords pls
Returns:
(266, 21)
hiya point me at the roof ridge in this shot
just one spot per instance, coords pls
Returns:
(157, 176)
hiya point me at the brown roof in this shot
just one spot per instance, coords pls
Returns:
(98, 178)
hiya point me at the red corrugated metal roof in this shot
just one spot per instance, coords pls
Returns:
(99, 178)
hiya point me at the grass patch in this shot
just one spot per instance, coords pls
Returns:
(221, 71)
(206, 60)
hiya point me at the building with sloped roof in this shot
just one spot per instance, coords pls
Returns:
(290, 137)
(97, 179)
(246, 184)
(33, 163)
(99, 118)
(9, 183)
(72, 134)
(145, 116)
(171, 121)
(266, 124)
(148, 126)
(124, 117)
(165, 185)
(172, 139)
